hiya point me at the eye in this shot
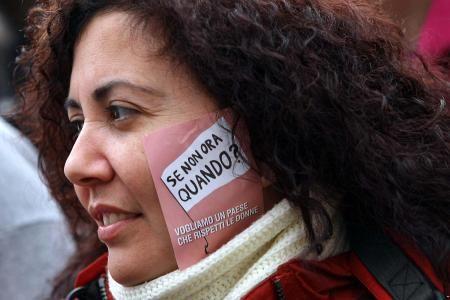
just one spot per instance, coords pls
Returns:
(119, 113)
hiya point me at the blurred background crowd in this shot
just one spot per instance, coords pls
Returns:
(34, 238)
(33, 231)
(12, 19)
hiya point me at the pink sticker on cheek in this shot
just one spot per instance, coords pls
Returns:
(207, 190)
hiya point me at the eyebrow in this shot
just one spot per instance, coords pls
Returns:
(102, 92)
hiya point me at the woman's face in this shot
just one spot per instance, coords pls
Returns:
(122, 92)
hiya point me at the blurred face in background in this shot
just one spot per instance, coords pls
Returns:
(409, 14)
(121, 90)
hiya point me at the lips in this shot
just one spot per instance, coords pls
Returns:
(111, 220)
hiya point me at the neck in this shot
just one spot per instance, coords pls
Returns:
(271, 197)
(252, 255)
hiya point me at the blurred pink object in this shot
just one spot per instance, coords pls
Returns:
(434, 38)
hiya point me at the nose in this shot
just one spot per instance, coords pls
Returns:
(88, 162)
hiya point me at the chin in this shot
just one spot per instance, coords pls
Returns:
(122, 272)
(131, 269)
(125, 270)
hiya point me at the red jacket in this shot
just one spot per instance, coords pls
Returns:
(339, 277)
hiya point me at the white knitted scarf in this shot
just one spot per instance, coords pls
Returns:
(238, 266)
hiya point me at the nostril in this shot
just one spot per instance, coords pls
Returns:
(87, 180)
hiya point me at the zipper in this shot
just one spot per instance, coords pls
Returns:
(77, 293)
(279, 289)
(102, 287)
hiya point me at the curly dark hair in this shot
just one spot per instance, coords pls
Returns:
(332, 98)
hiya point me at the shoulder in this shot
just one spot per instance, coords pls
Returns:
(331, 278)
(24, 197)
(93, 271)
(343, 276)
(91, 282)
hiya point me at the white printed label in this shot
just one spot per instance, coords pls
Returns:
(210, 162)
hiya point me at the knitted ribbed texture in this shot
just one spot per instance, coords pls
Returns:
(235, 268)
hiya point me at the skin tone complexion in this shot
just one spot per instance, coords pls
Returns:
(120, 90)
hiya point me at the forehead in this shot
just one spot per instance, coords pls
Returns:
(120, 28)
(108, 46)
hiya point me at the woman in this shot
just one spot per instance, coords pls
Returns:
(336, 113)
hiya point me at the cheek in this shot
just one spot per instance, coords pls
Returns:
(140, 173)
(144, 191)
(142, 186)
(138, 179)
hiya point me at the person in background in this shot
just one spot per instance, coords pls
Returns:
(427, 26)
(6, 43)
(12, 18)
(34, 238)
(35, 241)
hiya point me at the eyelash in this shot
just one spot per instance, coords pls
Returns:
(116, 113)
(75, 127)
